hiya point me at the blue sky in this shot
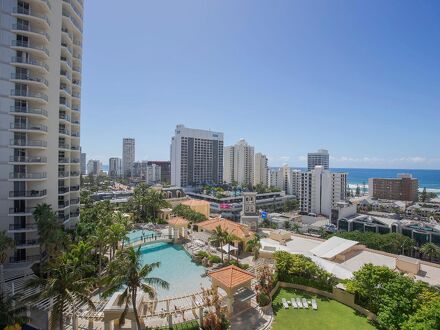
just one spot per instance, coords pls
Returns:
(360, 78)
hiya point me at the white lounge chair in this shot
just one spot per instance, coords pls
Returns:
(305, 304)
(298, 302)
(314, 304)
(293, 303)
(285, 304)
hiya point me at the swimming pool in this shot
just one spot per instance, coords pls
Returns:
(136, 235)
(177, 268)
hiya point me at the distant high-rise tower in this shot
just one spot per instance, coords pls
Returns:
(319, 158)
(40, 97)
(196, 157)
(238, 163)
(261, 169)
(83, 163)
(115, 167)
(128, 156)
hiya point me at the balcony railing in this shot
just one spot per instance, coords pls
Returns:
(31, 111)
(74, 160)
(28, 193)
(26, 44)
(75, 148)
(28, 143)
(73, 20)
(75, 134)
(76, 109)
(28, 11)
(63, 174)
(28, 175)
(62, 205)
(63, 190)
(28, 159)
(63, 160)
(30, 61)
(74, 201)
(64, 145)
(74, 214)
(26, 27)
(74, 188)
(26, 242)
(29, 126)
(29, 77)
(25, 93)
(64, 131)
(74, 173)
(21, 210)
(64, 117)
(16, 259)
(24, 226)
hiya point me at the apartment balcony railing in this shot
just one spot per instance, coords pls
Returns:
(74, 108)
(70, 2)
(26, 110)
(27, 44)
(75, 134)
(65, 74)
(63, 174)
(62, 205)
(26, 93)
(27, 28)
(63, 217)
(26, 242)
(29, 78)
(74, 160)
(76, 148)
(21, 210)
(29, 12)
(63, 145)
(75, 122)
(63, 160)
(76, 68)
(74, 201)
(16, 259)
(29, 175)
(66, 60)
(74, 188)
(64, 117)
(28, 143)
(28, 159)
(66, 46)
(28, 193)
(74, 214)
(73, 20)
(77, 43)
(74, 173)
(24, 226)
(64, 131)
(76, 82)
(63, 190)
(29, 127)
(29, 61)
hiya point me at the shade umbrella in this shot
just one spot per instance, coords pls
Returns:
(229, 248)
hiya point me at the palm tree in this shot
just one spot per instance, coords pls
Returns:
(127, 273)
(50, 231)
(229, 240)
(10, 314)
(100, 241)
(6, 243)
(254, 246)
(430, 250)
(66, 284)
(218, 237)
(117, 232)
(155, 202)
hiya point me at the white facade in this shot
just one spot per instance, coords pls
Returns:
(241, 167)
(115, 167)
(40, 92)
(128, 156)
(261, 169)
(94, 167)
(319, 158)
(153, 174)
(321, 190)
(196, 157)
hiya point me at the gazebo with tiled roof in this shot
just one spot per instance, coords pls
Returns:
(177, 227)
(231, 279)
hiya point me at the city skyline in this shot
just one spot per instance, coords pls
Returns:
(375, 83)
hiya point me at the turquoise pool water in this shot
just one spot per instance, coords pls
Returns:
(177, 268)
(136, 235)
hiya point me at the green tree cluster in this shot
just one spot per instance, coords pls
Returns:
(186, 212)
(146, 203)
(399, 301)
(299, 269)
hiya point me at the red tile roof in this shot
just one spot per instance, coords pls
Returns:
(231, 276)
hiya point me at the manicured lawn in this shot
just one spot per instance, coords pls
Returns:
(330, 314)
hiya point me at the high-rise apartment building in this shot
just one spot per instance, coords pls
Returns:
(403, 188)
(196, 157)
(321, 189)
(153, 174)
(261, 169)
(40, 92)
(238, 163)
(94, 167)
(83, 162)
(128, 157)
(115, 167)
(319, 158)
(165, 170)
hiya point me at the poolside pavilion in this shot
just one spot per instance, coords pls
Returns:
(237, 283)
(177, 227)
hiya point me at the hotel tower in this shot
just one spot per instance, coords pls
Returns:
(40, 92)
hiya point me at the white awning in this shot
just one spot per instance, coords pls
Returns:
(228, 248)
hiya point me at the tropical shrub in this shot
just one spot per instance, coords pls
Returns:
(186, 212)
(263, 299)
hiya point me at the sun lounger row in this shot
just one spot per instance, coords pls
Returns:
(299, 303)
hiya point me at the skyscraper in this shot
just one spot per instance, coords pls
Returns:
(261, 169)
(83, 162)
(238, 163)
(196, 157)
(128, 156)
(40, 89)
(115, 167)
(94, 167)
(165, 170)
(319, 158)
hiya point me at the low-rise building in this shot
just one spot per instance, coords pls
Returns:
(402, 188)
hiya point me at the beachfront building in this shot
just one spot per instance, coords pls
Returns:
(403, 188)
(115, 167)
(196, 157)
(238, 163)
(128, 156)
(40, 96)
(319, 158)
(261, 169)
(321, 190)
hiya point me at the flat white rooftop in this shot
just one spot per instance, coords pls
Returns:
(332, 247)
